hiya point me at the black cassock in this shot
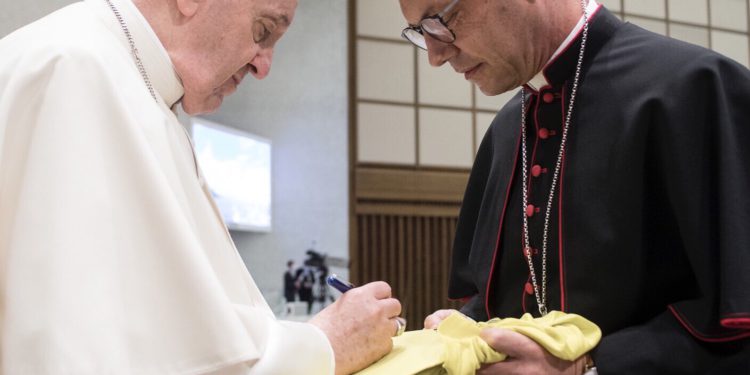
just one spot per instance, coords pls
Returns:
(650, 228)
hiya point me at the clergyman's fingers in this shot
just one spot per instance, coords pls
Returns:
(434, 319)
(514, 344)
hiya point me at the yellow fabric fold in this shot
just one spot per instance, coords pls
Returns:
(456, 348)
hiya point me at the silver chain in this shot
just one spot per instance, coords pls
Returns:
(541, 298)
(133, 50)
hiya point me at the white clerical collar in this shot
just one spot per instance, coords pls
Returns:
(540, 80)
(152, 53)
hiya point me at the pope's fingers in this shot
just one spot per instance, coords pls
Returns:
(391, 307)
(400, 325)
(379, 289)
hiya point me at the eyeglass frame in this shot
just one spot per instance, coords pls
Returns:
(420, 29)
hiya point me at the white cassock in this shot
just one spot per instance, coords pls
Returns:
(113, 257)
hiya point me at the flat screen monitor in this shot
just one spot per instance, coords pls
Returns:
(237, 168)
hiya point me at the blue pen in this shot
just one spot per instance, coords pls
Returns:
(340, 285)
(344, 286)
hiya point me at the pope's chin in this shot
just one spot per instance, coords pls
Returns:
(198, 106)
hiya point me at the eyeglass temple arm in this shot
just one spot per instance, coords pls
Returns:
(448, 8)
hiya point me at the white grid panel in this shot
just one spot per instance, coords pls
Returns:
(442, 85)
(721, 25)
(385, 134)
(445, 138)
(729, 14)
(692, 11)
(385, 71)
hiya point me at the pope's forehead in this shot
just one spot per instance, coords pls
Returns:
(279, 5)
(281, 9)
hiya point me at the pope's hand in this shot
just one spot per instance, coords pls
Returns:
(434, 319)
(360, 325)
(525, 356)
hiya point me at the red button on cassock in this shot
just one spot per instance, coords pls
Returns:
(543, 133)
(548, 97)
(536, 170)
(529, 288)
(530, 210)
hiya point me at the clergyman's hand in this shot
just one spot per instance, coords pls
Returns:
(525, 356)
(360, 326)
(434, 319)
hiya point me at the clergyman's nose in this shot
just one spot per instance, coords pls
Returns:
(438, 52)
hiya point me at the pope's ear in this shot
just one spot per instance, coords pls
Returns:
(188, 7)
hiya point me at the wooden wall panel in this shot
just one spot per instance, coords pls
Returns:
(410, 253)
(403, 224)
(408, 185)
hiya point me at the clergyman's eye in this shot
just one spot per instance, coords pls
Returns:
(260, 32)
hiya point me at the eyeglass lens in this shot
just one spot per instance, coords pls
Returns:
(437, 30)
(415, 37)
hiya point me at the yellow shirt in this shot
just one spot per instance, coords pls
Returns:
(456, 348)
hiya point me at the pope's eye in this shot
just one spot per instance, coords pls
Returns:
(260, 32)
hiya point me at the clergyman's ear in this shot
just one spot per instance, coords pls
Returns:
(188, 7)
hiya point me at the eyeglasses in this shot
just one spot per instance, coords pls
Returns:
(434, 26)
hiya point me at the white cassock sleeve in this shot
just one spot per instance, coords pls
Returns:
(112, 258)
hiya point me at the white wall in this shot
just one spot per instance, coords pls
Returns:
(302, 108)
(14, 13)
